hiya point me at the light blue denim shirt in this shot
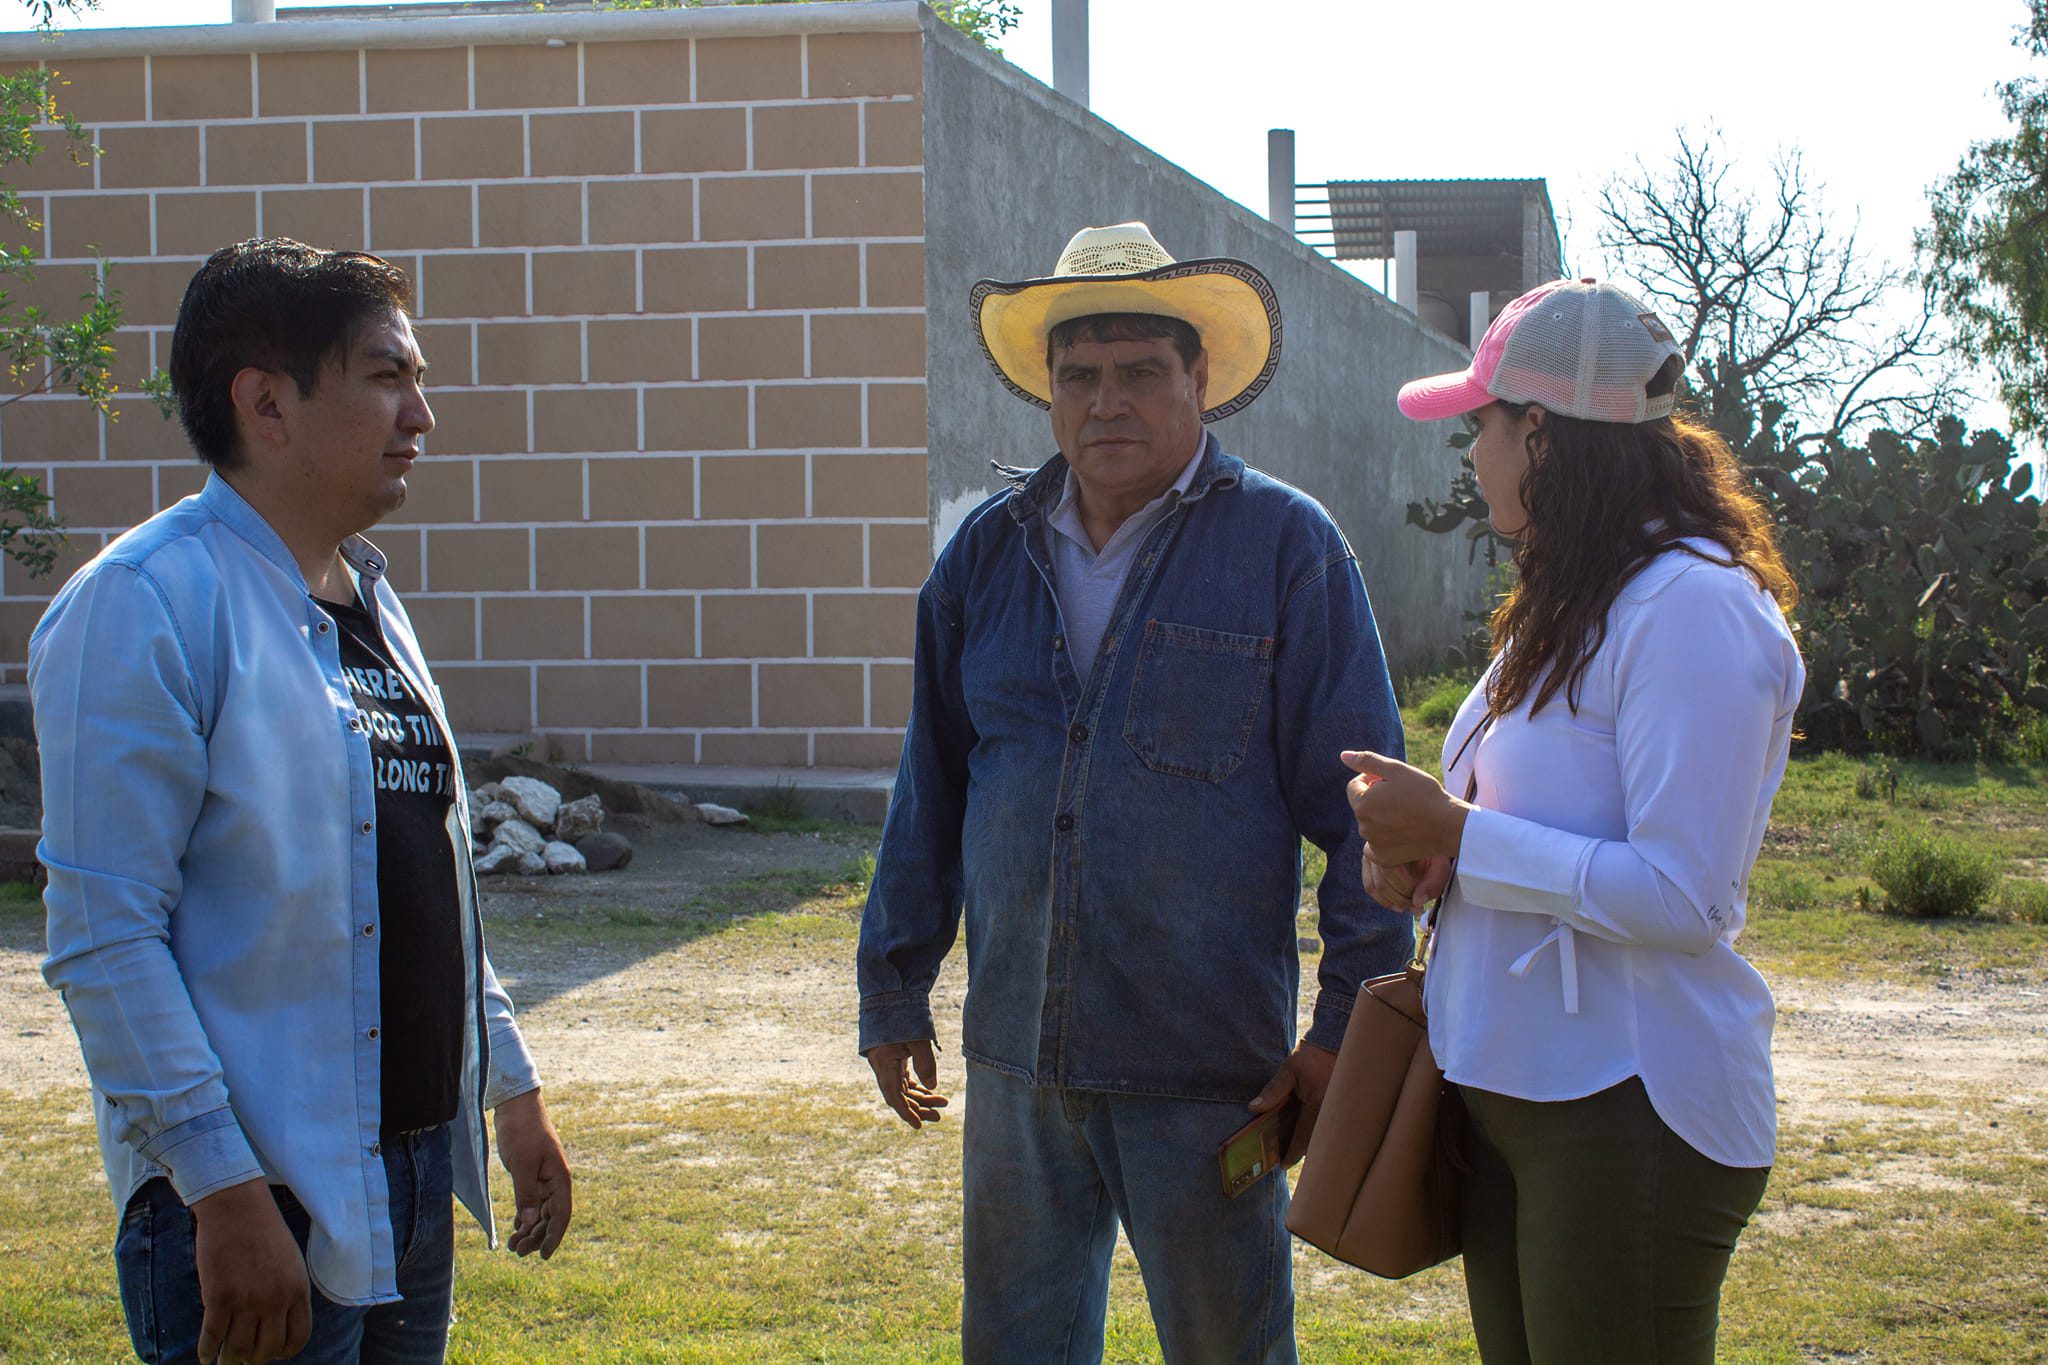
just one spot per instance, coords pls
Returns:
(1125, 848)
(209, 830)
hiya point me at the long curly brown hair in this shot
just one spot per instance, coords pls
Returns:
(1603, 500)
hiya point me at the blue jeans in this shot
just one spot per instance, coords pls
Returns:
(154, 1255)
(1049, 1174)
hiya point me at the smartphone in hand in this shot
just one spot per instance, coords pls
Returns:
(1255, 1149)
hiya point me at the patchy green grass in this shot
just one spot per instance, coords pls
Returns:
(807, 1225)
(782, 810)
(810, 1226)
(1813, 907)
(748, 913)
(1913, 1234)
(1816, 925)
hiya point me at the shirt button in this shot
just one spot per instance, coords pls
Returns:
(375, 1033)
(369, 929)
(1064, 823)
(376, 1149)
(1079, 734)
(356, 724)
(322, 627)
(1059, 642)
(367, 826)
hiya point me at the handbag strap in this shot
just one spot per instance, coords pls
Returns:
(1425, 933)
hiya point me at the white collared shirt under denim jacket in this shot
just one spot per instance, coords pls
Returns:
(1590, 934)
(209, 832)
(1125, 848)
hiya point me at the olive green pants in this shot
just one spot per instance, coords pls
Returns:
(1595, 1234)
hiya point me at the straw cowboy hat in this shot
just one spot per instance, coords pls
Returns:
(1121, 269)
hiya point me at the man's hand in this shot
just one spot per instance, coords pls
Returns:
(1406, 886)
(1403, 812)
(252, 1279)
(533, 1156)
(1306, 1075)
(907, 1074)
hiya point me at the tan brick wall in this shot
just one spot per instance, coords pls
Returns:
(671, 291)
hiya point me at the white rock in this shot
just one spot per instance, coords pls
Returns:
(532, 865)
(518, 836)
(493, 814)
(487, 793)
(500, 859)
(578, 818)
(561, 857)
(714, 814)
(536, 800)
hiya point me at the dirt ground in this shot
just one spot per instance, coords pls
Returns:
(720, 1014)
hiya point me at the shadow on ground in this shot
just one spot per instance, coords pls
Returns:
(549, 935)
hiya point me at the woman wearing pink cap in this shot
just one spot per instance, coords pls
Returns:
(1617, 762)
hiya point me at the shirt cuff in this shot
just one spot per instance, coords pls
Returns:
(512, 1072)
(895, 1017)
(205, 1154)
(1508, 863)
(1332, 1017)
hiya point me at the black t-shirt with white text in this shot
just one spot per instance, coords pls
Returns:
(420, 957)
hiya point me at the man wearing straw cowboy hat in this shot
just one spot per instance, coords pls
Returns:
(1135, 671)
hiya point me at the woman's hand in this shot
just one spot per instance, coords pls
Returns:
(1404, 815)
(1407, 887)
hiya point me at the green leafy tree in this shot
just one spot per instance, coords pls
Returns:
(982, 20)
(43, 352)
(1985, 256)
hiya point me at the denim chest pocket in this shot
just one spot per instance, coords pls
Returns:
(1194, 698)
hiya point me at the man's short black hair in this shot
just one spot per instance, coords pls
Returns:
(1125, 327)
(274, 304)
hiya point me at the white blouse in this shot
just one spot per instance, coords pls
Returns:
(1589, 934)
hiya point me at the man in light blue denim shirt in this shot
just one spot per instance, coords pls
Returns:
(261, 911)
(1135, 672)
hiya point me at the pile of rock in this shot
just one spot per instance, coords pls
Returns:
(524, 826)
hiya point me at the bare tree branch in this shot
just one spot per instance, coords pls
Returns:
(1776, 300)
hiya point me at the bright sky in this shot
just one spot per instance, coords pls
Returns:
(1881, 97)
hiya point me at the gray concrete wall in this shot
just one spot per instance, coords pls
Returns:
(1011, 170)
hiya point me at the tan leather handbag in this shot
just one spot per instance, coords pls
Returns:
(1380, 1187)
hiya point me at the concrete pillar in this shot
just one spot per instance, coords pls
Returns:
(1070, 49)
(1480, 314)
(254, 11)
(1405, 292)
(1280, 177)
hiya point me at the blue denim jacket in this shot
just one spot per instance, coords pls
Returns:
(208, 826)
(1126, 847)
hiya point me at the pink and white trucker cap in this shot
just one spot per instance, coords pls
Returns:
(1577, 347)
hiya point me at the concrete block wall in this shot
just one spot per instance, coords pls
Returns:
(670, 283)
